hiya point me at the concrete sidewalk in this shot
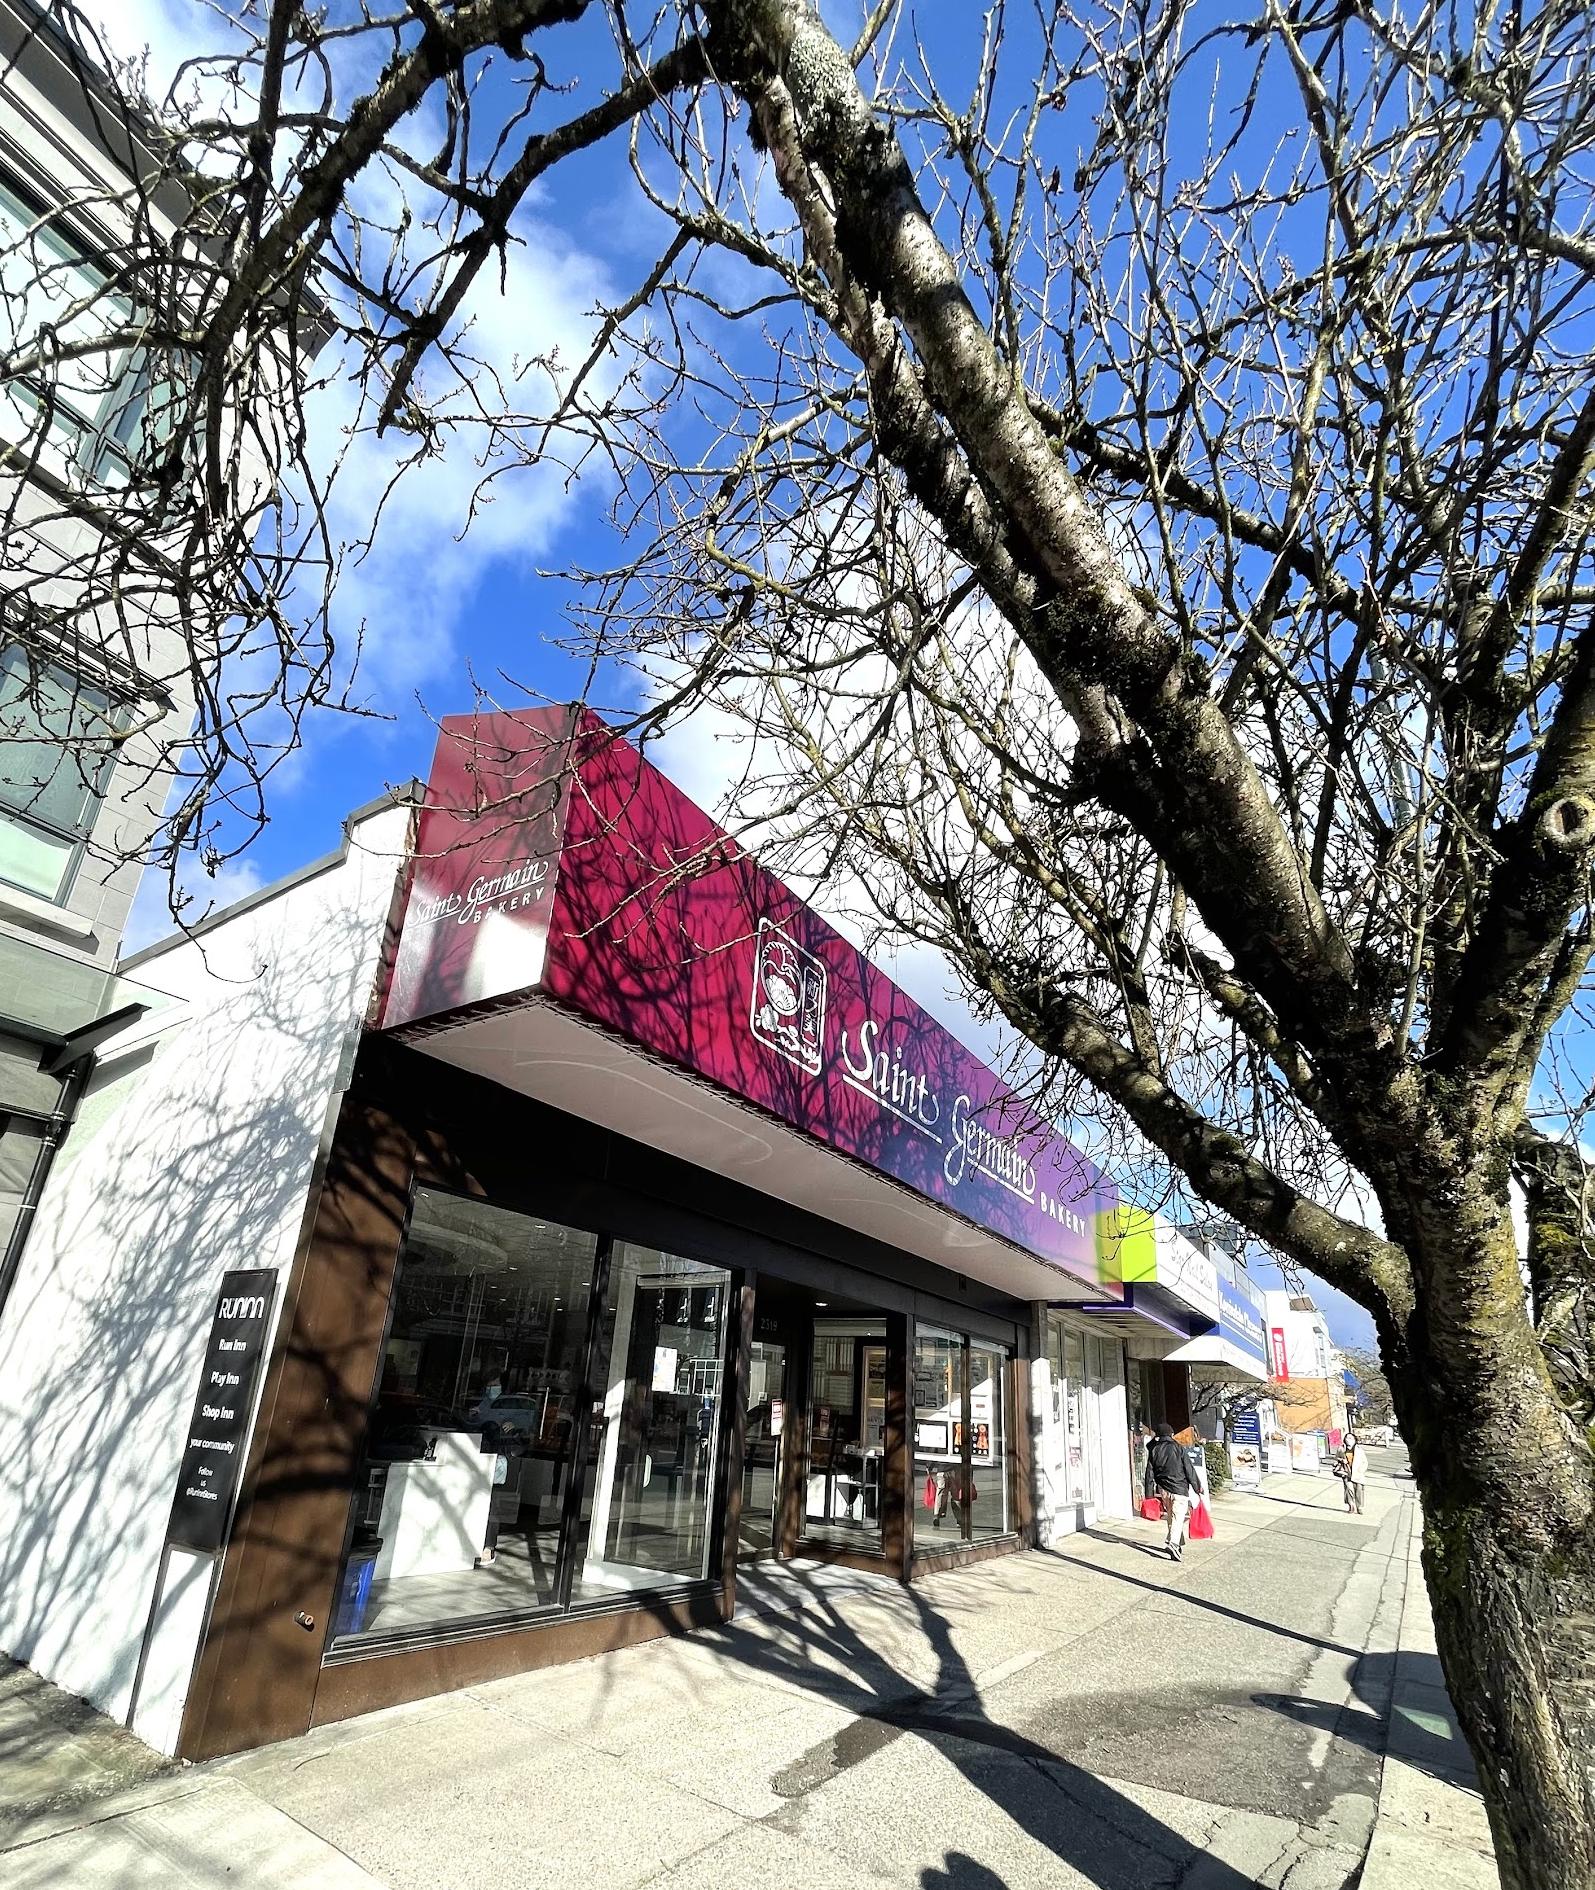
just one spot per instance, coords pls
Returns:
(1094, 1716)
(1431, 1828)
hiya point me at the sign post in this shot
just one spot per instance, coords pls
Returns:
(213, 1445)
(1245, 1450)
(207, 1480)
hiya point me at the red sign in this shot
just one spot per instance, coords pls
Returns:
(481, 886)
(554, 861)
(1276, 1339)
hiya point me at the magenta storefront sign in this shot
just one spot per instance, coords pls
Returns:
(553, 861)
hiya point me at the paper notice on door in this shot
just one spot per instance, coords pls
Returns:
(664, 1368)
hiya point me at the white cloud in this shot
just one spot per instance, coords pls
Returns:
(206, 895)
(170, 31)
(413, 590)
(411, 594)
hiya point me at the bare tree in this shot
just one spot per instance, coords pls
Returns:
(1126, 472)
(1226, 1398)
(1374, 1402)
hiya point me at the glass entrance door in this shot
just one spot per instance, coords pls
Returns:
(762, 1453)
(646, 1508)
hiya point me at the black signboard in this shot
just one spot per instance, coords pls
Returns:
(213, 1450)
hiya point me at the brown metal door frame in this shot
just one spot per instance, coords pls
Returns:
(260, 1660)
(743, 1293)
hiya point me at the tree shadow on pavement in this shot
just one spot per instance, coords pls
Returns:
(1093, 1829)
(963, 1873)
(1425, 1739)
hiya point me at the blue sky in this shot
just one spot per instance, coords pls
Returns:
(439, 609)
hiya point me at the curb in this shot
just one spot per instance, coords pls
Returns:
(1430, 1827)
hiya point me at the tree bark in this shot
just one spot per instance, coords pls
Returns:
(1507, 1486)
(1508, 1630)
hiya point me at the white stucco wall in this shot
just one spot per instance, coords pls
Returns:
(1308, 1346)
(194, 1154)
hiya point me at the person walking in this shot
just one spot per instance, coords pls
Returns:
(1189, 1440)
(1354, 1470)
(1170, 1478)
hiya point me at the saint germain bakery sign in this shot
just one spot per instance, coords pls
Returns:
(556, 865)
(213, 1448)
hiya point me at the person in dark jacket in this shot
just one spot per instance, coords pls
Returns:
(1170, 1479)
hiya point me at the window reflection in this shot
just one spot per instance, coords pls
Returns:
(470, 1446)
(647, 1499)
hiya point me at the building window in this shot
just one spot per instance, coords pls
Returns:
(1078, 1413)
(85, 411)
(546, 1432)
(938, 1422)
(988, 1459)
(961, 1458)
(57, 735)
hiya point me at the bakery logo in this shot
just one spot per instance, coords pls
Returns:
(788, 1009)
(508, 891)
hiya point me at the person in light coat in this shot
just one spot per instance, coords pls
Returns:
(1354, 1471)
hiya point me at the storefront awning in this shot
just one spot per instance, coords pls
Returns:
(56, 1010)
(1236, 1343)
(578, 930)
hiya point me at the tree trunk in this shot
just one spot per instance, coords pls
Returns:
(1507, 1483)
(1515, 1631)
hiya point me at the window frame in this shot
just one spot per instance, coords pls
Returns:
(89, 442)
(95, 791)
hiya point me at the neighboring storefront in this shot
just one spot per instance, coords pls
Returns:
(1082, 1452)
(1308, 1385)
(527, 1217)
(1109, 1372)
(1230, 1362)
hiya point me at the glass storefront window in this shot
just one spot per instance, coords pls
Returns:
(847, 1430)
(988, 1448)
(961, 1467)
(938, 1424)
(1077, 1444)
(546, 1428)
(471, 1441)
(647, 1501)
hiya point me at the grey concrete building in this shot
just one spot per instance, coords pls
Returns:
(95, 697)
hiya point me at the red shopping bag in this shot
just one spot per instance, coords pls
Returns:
(1151, 1509)
(930, 1491)
(1201, 1522)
